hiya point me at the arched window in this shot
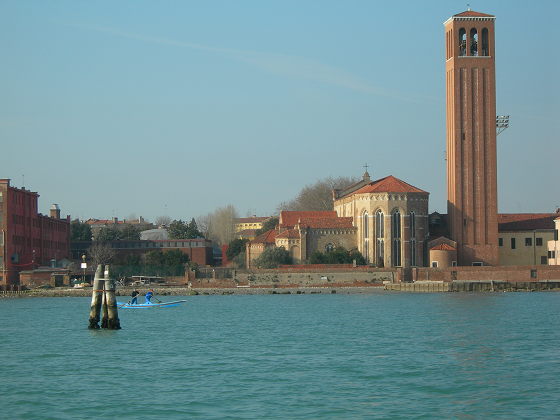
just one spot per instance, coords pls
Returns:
(329, 248)
(366, 236)
(379, 238)
(396, 233)
(474, 42)
(485, 51)
(412, 239)
(462, 42)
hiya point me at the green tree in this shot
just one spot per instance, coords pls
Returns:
(273, 257)
(130, 233)
(175, 257)
(132, 260)
(192, 230)
(267, 225)
(240, 260)
(339, 255)
(235, 247)
(155, 258)
(317, 257)
(109, 234)
(182, 230)
(79, 231)
(357, 255)
(178, 230)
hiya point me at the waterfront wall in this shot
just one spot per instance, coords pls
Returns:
(304, 276)
(530, 273)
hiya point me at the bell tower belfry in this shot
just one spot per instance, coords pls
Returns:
(472, 193)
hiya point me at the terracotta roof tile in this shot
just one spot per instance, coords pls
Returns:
(472, 13)
(328, 223)
(289, 233)
(252, 219)
(388, 184)
(267, 237)
(526, 221)
(444, 247)
(289, 219)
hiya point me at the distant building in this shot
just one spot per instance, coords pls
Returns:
(245, 227)
(97, 225)
(524, 238)
(153, 235)
(554, 245)
(199, 250)
(29, 240)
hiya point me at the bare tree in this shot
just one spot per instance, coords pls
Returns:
(219, 226)
(162, 221)
(317, 196)
(100, 253)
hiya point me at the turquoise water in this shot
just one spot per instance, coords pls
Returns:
(366, 356)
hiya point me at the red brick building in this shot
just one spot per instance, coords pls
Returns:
(28, 238)
(472, 197)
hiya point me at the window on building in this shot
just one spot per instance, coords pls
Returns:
(434, 263)
(366, 236)
(329, 248)
(538, 241)
(453, 263)
(528, 241)
(533, 274)
(474, 42)
(462, 42)
(512, 243)
(544, 260)
(413, 252)
(477, 264)
(500, 241)
(396, 231)
(485, 52)
(379, 238)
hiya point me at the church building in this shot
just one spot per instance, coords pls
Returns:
(391, 218)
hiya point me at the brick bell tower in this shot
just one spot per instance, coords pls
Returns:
(472, 193)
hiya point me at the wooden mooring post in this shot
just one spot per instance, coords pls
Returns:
(103, 300)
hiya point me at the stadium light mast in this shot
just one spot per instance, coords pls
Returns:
(502, 122)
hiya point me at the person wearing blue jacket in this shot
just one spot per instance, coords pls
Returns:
(149, 295)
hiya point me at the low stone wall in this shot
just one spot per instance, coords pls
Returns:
(530, 273)
(473, 286)
(318, 277)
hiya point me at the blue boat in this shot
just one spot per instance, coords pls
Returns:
(126, 305)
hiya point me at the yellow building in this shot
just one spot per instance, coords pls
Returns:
(245, 227)
(523, 238)
(554, 244)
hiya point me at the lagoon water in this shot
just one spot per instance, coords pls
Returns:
(380, 355)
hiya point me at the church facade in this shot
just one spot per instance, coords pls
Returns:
(386, 220)
(391, 218)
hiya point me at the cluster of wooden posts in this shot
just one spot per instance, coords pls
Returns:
(103, 299)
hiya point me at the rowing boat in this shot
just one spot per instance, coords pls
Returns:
(149, 305)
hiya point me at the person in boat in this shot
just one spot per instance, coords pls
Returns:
(149, 296)
(134, 295)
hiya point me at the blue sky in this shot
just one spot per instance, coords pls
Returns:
(151, 108)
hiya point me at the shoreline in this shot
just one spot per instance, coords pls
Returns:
(185, 291)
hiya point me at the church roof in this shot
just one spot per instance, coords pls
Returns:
(289, 233)
(327, 223)
(388, 184)
(526, 221)
(472, 13)
(267, 237)
(291, 218)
